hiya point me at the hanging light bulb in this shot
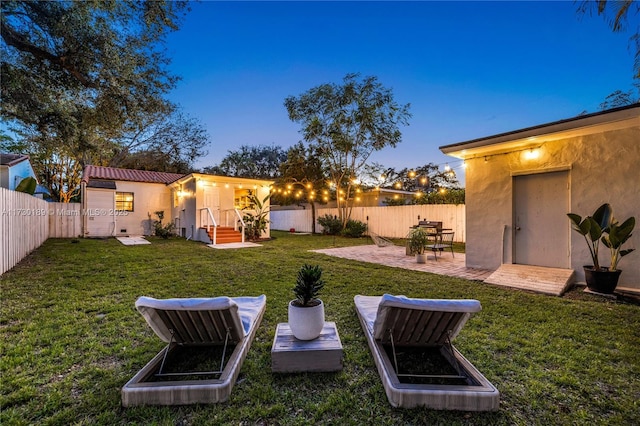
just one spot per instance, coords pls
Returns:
(447, 167)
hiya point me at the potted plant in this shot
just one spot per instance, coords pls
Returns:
(418, 240)
(306, 311)
(601, 227)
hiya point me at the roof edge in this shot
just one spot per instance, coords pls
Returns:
(581, 121)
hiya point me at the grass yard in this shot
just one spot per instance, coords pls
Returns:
(71, 338)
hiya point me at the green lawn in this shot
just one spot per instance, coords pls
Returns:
(71, 338)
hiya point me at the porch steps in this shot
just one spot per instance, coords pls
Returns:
(539, 279)
(224, 235)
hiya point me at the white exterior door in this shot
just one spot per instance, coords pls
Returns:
(541, 227)
(101, 220)
(212, 200)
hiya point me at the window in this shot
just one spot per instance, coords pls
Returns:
(124, 201)
(242, 199)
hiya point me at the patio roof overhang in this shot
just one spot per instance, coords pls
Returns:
(534, 137)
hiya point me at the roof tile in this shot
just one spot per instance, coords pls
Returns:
(112, 173)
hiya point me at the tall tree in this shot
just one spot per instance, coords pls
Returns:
(79, 76)
(161, 142)
(346, 124)
(302, 180)
(258, 162)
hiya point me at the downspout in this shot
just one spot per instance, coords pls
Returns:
(113, 211)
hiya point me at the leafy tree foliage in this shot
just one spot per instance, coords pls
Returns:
(164, 143)
(620, 98)
(302, 180)
(346, 124)
(428, 178)
(618, 15)
(258, 162)
(442, 196)
(83, 83)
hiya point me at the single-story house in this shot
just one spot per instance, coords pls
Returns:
(16, 167)
(520, 186)
(121, 202)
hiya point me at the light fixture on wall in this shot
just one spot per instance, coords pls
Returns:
(532, 154)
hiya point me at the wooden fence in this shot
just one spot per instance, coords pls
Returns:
(389, 221)
(26, 222)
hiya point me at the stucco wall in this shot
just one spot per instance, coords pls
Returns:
(603, 167)
(147, 199)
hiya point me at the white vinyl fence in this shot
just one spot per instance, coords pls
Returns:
(388, 221)
(26, 222)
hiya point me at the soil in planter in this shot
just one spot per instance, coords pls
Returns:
(425, 361)
(193, 358)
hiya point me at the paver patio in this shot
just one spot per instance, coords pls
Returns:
(395, 256)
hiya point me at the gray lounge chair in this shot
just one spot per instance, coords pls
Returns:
(395, 324)
(184, 323)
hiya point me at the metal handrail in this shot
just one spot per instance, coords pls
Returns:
(213, 221)
(235, 222)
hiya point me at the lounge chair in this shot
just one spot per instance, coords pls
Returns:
(184, 324)
(380, 241)
(397, 328)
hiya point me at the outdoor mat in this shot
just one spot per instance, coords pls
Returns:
(132, 241)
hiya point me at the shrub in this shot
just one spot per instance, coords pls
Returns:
(162, 231)
(354, 229)
(331, 225)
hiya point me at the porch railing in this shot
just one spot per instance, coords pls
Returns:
(236, 217)
(209, 221)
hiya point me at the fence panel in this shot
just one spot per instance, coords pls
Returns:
(388, 221)
(24, 226)
(65, 220)
(26, 222)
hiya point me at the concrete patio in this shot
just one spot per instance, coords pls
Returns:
(552, 281)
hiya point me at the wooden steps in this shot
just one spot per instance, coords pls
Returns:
(224, 235)
(540, 279)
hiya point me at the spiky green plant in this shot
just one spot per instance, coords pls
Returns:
(309, 283)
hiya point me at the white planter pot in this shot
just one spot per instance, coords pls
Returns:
(306, 322)
(421, 258)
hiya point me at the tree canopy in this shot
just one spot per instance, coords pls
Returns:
(346, 123)
(258, 162)
(84, 82)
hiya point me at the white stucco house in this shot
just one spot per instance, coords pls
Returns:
(119, 202)
(520, 185)
(14, 168)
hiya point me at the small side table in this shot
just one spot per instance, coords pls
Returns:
(290, 355)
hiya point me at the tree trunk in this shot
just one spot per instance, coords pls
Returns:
(313, 217)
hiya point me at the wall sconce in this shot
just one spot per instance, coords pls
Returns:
(532, 154)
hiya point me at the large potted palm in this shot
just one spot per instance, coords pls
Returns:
(306, 311)
(601, 227)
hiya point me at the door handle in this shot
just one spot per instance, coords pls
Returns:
(517, 228)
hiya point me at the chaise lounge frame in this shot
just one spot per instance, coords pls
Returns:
(404, 322)
(183, 323)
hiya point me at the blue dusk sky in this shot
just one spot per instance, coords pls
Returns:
(468, 69)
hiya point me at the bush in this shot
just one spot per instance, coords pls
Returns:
(162, 231)
(331, 225)
(354, 229)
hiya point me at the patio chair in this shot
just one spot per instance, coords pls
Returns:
(185, 325)
(380, 241)
(411, 343)
(444, 241)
